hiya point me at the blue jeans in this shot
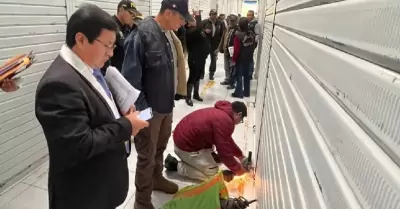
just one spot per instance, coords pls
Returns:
(242, 79)
(251, 69)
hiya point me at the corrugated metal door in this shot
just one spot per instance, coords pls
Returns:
(155, 6)
(205, 5)
(194, 4)
(329, 95)
(26, 25)
(111, 5)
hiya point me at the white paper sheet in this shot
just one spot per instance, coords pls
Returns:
(123, 92)
(230, 49)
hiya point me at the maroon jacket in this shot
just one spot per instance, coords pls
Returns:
(205, 128)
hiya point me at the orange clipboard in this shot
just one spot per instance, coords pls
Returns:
(16, 65)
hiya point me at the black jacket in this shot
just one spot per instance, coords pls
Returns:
(149, 66)
(88, 165)
(247, 46)
(197, 44)
(181, 34)
(118, 58)
(219, 29)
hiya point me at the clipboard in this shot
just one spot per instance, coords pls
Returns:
(16, 65)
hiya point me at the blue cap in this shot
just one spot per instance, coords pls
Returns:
(181, 6)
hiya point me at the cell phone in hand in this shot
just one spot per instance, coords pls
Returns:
(146, 114)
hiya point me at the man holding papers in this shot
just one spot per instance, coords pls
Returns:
(87, 134)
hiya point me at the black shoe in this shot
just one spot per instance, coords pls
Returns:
(189, 102)
(171, 163)
(179, 97)
(236, 203)
(236, 96)
(231, 87)
(224, 83)
(197, 97)
(211, 77)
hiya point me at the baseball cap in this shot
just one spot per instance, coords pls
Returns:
(130, 6)
(181, 6)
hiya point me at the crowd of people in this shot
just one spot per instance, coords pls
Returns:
(89, 138)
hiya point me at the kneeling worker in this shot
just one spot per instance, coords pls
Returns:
(198, 133)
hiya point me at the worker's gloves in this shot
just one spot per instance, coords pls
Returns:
(247, 165)
(228, 175)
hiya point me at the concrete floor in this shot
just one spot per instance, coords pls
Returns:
(31, 192)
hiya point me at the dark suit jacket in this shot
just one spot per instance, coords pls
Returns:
(88, 165)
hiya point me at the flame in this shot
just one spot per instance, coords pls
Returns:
(237, 185)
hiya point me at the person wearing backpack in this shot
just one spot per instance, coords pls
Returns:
(254, 26)
(243, 49)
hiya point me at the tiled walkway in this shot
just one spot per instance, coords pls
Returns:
(31, 192)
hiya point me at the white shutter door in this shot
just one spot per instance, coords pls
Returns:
(155, 7)
(111, 5)
(26, 25)
(205, 5)
(194, 4)
(330, 135)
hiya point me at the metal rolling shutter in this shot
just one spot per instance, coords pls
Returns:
(329, 133)
(37, 25)
(155, 6)
(194, 4)
(111, 5)
(205, 5)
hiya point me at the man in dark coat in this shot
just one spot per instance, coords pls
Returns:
(87, 136)
(213, 28)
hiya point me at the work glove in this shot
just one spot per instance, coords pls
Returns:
(228, 175)
(247, 165)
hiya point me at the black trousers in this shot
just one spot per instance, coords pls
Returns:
(196, 67)
(213, 57)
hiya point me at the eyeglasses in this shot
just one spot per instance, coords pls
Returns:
(108, 46)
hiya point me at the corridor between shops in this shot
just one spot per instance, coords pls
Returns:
(31, 192)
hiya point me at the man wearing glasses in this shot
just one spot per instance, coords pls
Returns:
(88, 137)
(196, 136)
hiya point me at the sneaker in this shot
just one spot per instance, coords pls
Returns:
(230, 87)
(224, 83)
(163, 185)
(171, 163)
(236, 96)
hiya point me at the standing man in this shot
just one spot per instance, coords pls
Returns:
(255, 28)
(213, 28)
(226, 43)
(149, 66)
(87, 136)
(124, 18)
